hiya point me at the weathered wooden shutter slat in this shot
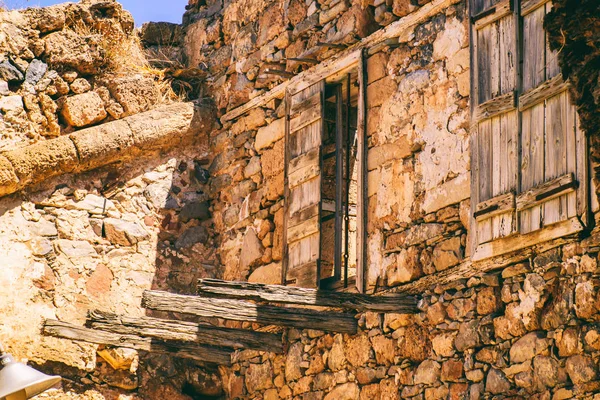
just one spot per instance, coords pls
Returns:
(303, 186)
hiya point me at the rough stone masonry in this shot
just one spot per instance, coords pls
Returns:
(111, 185)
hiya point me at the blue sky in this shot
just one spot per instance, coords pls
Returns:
(142, 10)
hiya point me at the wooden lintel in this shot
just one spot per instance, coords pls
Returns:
(401, 29)
(239, 310)
(544, 91)
(528, 6)
(303, 296)
(494, 107)
(547, 191)
(194, 351)
(185, 331)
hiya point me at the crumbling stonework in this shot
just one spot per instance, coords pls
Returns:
(152, 199)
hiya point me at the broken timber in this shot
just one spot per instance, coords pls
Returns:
(296, 295)
(194, 351)
(239, 310)
(185, 331)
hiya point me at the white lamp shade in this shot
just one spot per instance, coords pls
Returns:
(18, 380)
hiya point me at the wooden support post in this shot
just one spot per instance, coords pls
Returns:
(301, 296)
(238, 310)
(186, 332)
(194, 351)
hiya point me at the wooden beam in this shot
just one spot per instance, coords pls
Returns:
(312, 297)
(185, 331)
(546, 191)
(542, 92)
(402, 29)
(495, 106)
(517, 242)
(495, 206)
(238, 310)
(194, 351)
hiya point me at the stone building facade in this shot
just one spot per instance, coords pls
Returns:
(100, 206)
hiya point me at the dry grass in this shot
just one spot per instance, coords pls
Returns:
(125, 55)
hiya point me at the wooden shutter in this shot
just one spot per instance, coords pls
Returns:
(553, 149)
(304, 132)
(528, 155)
(494, 138)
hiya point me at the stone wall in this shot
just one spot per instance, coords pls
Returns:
(525, 329)
(211, 205)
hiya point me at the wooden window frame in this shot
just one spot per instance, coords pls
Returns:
(354, 62)
(518, 100)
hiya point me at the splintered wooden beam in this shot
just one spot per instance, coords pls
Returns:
(239, 310)
(185, 332)
(194, 351)
(295, 295)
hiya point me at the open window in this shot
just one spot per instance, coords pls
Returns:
(528, 155)
(325, 194)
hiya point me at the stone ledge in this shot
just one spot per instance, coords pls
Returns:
(161, 128)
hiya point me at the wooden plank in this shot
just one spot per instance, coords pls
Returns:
(501, 10)
(362, 149)
(518, 242)
(303, 229)
(239, 310)
(183, 331)
(495, 107)
(510, 134)
(552, 67)
(306, 117)
(556, 157)
(286, 188)
(302, 215)
(495, 156)
(485, 166)
(487, 63)
(528, 6)
(508, 52)
(305, 105)
(402, 29)
(538, 94)
(534, 49)
(582, 167)
(304, 275)
(495, 206)
(303, 252)
(547, 191)
(304, 174)
(309, 297)
(305, 195)
(304, 167)
(193, 351)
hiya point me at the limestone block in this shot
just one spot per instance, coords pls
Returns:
(358, 350)
(81, 53)
(269, 134)
(43, 160)
(345, 391)
(528, 347)
(272, 160)
(103, 144)
(124, 233)
(581, 369)
(74, 249)
(83, 109)
(8, 177)
(496, 382)
(448, 193)
(259, 377)
(135, 94)
(268, 274)
(428, 372)
(11, 103)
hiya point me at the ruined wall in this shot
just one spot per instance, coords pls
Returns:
(518, 329)
(77, 94)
